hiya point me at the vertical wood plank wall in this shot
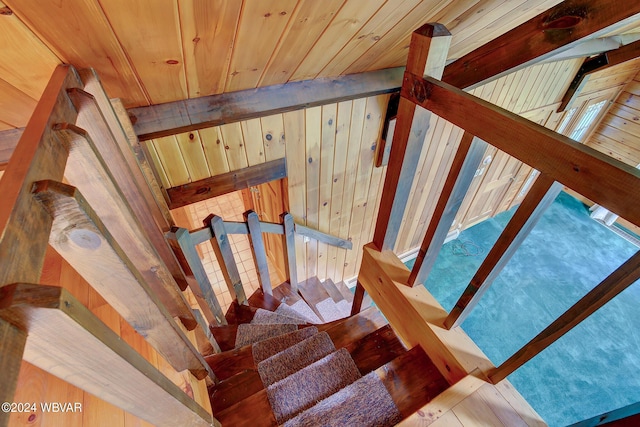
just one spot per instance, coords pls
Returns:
(36, 385)
(333, 185)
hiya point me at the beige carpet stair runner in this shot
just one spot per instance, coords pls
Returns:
(308, 382)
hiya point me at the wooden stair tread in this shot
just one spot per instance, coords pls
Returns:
(350, 329)
(332, 290)
(369, 353)
(313, 292)
(239, 413)
(261, 300)
(345, 291)
(412, 380)
(285, 294)
(239, 313)
(376, 349)
(234, 389)
(229, 363)
(225, 336)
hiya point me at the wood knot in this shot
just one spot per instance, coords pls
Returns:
(419, 91)
(203, 190)
(6, 11)
(172, 62)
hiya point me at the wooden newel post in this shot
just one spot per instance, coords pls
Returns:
(427, 57)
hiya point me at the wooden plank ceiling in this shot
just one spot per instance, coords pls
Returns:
(155, 51)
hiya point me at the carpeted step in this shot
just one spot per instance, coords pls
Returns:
(303, 310)
(250, 333)
(317, 381)
(264, 349)
(330, 311)
(365, 402)
(265, 317)
(294, 358)
(285, 310)
(313, 292)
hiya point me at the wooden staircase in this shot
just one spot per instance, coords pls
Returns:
(240, 397)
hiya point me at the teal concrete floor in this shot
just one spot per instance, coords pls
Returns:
(592, 369)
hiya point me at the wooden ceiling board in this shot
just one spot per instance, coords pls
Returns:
(252, 134)
(78, 32)
(308, 22)
(15, 106)
(273, 137)
(347, 22)
(193, 155)
(208, 35)
(214, 150)
(396, 42)
(29, 68)
(234, 145)
(149, 31)
(171, 159)
(373, 31)
(259, 30)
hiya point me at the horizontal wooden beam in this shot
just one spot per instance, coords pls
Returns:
(83, 240)
(218, 185)
(598, 63)
(623, 277)
(323, 237)
(68, 341)
(198, 113)
(595, 175)
(627, 415)
(547, 34)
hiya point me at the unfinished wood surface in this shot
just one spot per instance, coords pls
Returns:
(88, 354)
(12, 342)
(290, 248)
(24, 226)
(85, 242)
(568, 22)
(8, 141)
(202, 289)
(542, 194)
(183, 116)
(427, 55)
(323, 237)
(623, 277)
(224, 254)
(226, 183)
(87, 170)
(258, 251)
(568, 162)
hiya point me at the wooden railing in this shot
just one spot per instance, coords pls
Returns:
(560, 161)
(105, 223)
(216, 231)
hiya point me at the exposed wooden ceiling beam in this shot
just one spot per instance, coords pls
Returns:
(197, 113)
(557, 29)
(598, 63)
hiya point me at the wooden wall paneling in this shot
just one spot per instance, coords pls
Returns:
(356, 125)
(149, 32)
(171, 160)
(208, 32)
(252, 134)
(371, 32)
(309, 21)
(620, 151)
(433, 180)
(374, 114)
(193, 155)
(327, 154)
(514, 90)
(234, 145)
(452, 144)
(15, 106)
(346, 23)
(91, 44)
(273, 137)
(313, 129)
(393, 47)
(29, 67)
(343, 123)
(419, 192)
(214, 150)
(294, 127)
(155, 159)
(250, 53)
